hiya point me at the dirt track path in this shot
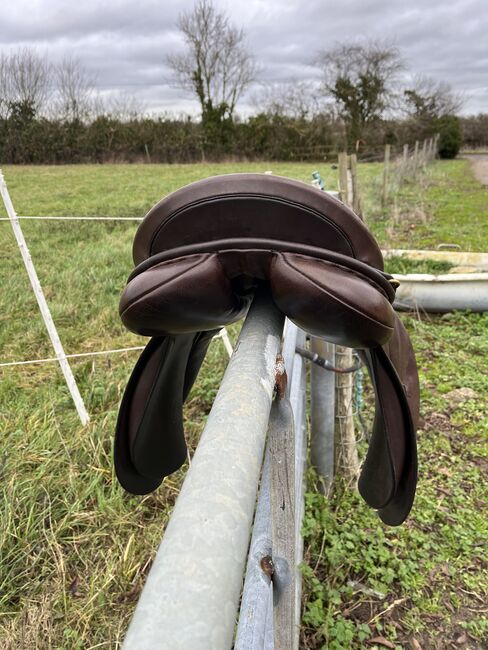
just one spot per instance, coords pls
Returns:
(480, 166)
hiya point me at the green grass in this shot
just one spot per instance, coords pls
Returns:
(120, 190)
(404, 266)
(75, 549)
(446, 205)
(432, 570)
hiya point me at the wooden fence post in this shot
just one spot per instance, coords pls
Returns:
(433, 146)
(281, 440)
(345, 441)
(346, 455)
(356, 202)
(405, 153)
(344, 195)
(416, 157)
(386, 173)
(424, 152)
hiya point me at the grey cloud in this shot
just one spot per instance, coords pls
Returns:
(124, 44)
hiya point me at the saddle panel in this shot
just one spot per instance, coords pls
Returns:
(179, 296)
(330, 301)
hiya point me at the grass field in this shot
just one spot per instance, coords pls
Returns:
(75, 549)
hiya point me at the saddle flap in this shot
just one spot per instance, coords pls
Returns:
(331, 301)
(389, 473)
(149, 438)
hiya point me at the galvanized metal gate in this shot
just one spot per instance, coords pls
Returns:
(249, 466)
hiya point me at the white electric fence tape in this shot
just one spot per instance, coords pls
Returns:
(221, 335)
(70, 356)
(77, 218)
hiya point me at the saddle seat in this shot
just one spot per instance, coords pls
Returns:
(200, 254)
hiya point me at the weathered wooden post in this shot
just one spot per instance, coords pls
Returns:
(346, 456)
(345, 463)
(356, 201)
(424, 153)
(416, 157)
(343, 189)
(386, 174)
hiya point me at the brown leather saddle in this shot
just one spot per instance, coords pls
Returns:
(200, 254)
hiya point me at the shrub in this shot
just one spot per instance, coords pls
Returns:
(449, 129)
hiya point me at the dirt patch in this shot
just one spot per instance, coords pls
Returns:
(479, 163)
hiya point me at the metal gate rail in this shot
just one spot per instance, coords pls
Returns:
(192, 593)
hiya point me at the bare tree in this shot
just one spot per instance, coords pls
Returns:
(25, 78)
(123, 107)
(295, 99)
(428, 99)
(216, 66)
(75, 90)
(360, 78)
(5, 85)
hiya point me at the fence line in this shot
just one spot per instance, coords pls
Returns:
(49, 218)
(399, 165)
(406, 166)
(78, 355)
(43, 306)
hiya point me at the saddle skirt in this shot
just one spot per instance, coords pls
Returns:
(200, 254)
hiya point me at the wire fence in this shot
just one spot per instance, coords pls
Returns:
(55, 218)
(223, 334)
(61, 357)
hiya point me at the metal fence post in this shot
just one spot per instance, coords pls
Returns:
(323, 413)
(298, 400)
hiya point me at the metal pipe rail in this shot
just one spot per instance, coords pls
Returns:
(191, 595)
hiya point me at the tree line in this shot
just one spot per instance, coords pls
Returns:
(53, 114)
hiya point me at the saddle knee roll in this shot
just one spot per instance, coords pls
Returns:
(330, 301)
(180, 296)
(200, 292)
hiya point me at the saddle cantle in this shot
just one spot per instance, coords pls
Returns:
(200, 254)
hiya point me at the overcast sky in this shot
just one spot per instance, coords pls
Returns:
(123, 43)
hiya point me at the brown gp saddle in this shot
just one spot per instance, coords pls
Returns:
(200, 255)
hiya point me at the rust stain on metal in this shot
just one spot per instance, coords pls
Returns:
(281, 378)
(267, 565)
